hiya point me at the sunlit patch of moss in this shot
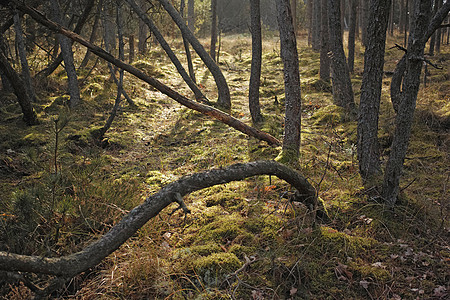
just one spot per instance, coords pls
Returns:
(213, 268)
(57, 104)
(314, 84)
(332, 114)
(149, 68)
(225, 228)
(366, 271)
(240, 251)
(288, 157)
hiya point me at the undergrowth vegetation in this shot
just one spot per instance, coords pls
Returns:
(60, 189)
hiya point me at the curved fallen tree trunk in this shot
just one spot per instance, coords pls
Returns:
(204, 109)
(71, 265)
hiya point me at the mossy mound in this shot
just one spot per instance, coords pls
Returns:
(149, 68)
(331, 114)
(213, 268)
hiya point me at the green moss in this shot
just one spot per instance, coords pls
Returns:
(149, 68)
(213, 268)
(158, 178)
(57, 104)
(288, 157)
(347, 245)
(364, 270)
(331, 114)
(225, 228)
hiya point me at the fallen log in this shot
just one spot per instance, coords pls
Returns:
(204, 109)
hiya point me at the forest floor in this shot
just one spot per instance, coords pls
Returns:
(364, 252)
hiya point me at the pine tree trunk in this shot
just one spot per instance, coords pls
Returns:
(93, 36)
(352, 35)
(67, 54)
(324, 71)
(222, 86)
(369, 107)
(340, 75)
(316, 15)
(289, 55)
(187, 50)
(309, 18)
(294, 15)
(255, 74)
(191, 16)
(212, 51)
(364, 23)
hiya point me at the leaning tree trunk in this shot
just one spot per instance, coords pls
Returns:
(195, 89)
(255, 73)
(292, 123)
(212, 50)
(222, 86)
(421, 30)
(324, 71)
(368, 148)
(18, 85)
(204, 109)
(352, 35)
(23, 57)
(67, 54)
(186, 48)
(340, 75)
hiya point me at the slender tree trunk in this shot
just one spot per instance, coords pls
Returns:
(324, 71)
(131, 52)
(309, 18)
(67, 54)
(289, 55)
(195, 89)
(186, 48)
(391, 18)
(93, 36)
(406, 18)
(18, 85)
(20, 43)
(364, 22)
(212, 51)
(109, 27)
(255, 74)
(222, 86)
(401, 17)
(294, 15)
(340, 75)
(351, 35)
(368, 147)
(438, 32)
(191, 16)
(316, 15)
(433, 37)
(421, 31)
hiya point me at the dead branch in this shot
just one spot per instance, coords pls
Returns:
(73, 264)
(204, 109)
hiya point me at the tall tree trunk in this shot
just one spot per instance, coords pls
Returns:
(292, 123)
(93, 36)
(20, 44)
(438, 32)
(294, 15)
(368, 147)
(324, 71)
(212, 51)
(406, 18)
(391, 18)
(401, 17)
(131, 49)
(315, 39)
(364, 23)
(191, 16)
(421, 30)
(173, 58)
(186, 48)
(433, 37)
(255, 74)
(18, 85)
(109, 26)
(309, 18)
(340, 75)
(67, 54)
(352, 35)
(222, 86)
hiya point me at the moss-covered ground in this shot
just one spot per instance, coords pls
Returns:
(58, 197)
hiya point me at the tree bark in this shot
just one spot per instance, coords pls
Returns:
(18, 85)
(289, 55)
(173, 58)
(294, 15)
(204, 109)
(309, 18)
(364, 20)
(255, 73)
(369, 107)
(21, 49)
(340, 75)
(131, 49)
(186, 48)
(93, 36)
(222, 86)
(212, 51)
(315, 38)
(67, 54)
(421, 30)
(73, 264)
(352, 35)
(324, 71)
(191, 16)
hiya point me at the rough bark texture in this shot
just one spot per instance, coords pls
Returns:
(173, 58)
(352, 35)
(324, 71)
(364, 20)
(70, 265)
(29, 116)
(67, 54)
(255, 74)
(20, 43)
(131, 49)
(289, 55)
(207, 110)
(222, 86)
(294, 15)
(340, 75)
(421, 30)
(369, 107)
(191, 16)
(315, 38)
(212, 51)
